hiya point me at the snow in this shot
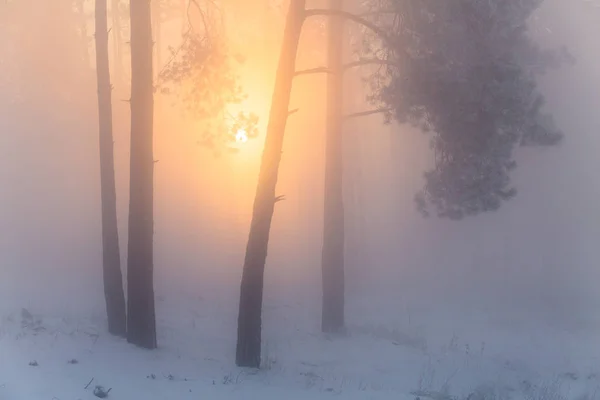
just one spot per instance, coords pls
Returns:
(434, 356)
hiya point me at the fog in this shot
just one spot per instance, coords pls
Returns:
(532, 266)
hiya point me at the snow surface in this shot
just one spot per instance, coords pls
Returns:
(195, 358)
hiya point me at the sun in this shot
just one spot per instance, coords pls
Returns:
(241, 136)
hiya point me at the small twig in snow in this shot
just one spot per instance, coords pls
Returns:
(89, 383)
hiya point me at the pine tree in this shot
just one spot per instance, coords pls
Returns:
(141, 321)
(111, 256)
(466, 72)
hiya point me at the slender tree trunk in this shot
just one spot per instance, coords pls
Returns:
(111, 256)
(248, 351)
(141, 324)
(333, 215)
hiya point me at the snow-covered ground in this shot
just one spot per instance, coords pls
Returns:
(428, 355)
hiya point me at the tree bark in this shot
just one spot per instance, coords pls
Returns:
(333, 215)
(248, 352)
(141, 324)
(111, 256)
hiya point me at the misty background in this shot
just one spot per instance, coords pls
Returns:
(532, 264)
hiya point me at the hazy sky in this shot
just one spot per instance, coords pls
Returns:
(536, 257)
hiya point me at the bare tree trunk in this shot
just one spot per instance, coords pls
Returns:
(141, 324)
(111, 256)
(248, 350)
(333, 215)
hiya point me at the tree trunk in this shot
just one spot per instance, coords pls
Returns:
(111, 256)
(141, 324)
(251, 291)
(333, 213)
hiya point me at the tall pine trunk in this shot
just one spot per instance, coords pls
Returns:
(111, 256)
(333, 214)
(141, 324)
(248, 352)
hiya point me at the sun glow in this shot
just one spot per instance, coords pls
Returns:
(241, 136)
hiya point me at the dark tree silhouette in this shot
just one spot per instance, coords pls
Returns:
(332, 262)
(111, 256)
(141, 322)
(466, 71)
(248, 353)
(250, 313)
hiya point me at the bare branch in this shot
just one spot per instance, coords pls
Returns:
(279, 198)
(294, 111)
(202, 16)
(349, 16)
(89, 383)
(369, 112)
(368, 61)
(317, 70)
